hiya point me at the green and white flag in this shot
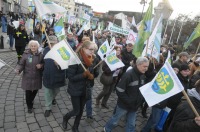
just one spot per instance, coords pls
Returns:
(113, 62)
(62, 54)
(116, 29)
(164, 85)
(44, 7)
(104, 49)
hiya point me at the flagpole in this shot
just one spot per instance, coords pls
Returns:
(190, 103)
(7, 65)
(75, 55)
(98, 64)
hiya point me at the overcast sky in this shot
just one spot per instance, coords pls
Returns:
(179, 6)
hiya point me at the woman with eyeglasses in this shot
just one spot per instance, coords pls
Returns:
(80, 83)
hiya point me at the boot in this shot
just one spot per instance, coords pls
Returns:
(75, 129)
(65, 121)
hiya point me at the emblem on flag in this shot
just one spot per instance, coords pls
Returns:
(163, 82)
(64, 53)
(103, 49)
(112, 59)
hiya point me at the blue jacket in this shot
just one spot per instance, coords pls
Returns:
(53, 76)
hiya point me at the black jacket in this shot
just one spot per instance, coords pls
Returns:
(183, 120)
(129, 96)
(10, 29)
(127, 57)
(53, 76)
(77, 83)
(22, 39)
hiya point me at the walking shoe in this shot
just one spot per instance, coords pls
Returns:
(75, 129)
(54, 102)
(47, 113)
(104, 106)
(89, 119)
(30, 111)
(65, 122)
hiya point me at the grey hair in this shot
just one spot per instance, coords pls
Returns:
(33, 42)
(141, 60)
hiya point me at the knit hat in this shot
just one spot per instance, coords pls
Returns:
(53, 39)
(176, 66)
(184, 54)
(184, 67)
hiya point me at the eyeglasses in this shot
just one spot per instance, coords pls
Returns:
(91, 49)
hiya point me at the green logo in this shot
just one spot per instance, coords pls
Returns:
(64, 53)
(112, 59)
(47, 1)
(103, 49)
(163, 83)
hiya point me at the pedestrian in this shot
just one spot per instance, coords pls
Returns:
(38, 33)
(21, 39)
(183, 58)
(129, 96)
(184, 119)
(31, 64)
(80, 83)
(53, 78)
(4, 23)
(10, 33)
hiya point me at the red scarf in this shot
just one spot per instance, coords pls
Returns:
(88, 60)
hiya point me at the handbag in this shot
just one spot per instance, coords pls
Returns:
(106, 79)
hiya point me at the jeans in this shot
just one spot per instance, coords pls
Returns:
(89, 106)
(50, 95)
(153, 119)
(78, 103)
(130, 120)
(11, 40)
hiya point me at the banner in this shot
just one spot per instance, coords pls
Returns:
(47, 7)
(164, 85)
(86, 17)
(116, 29)
(71, 19)
(62, 54)
(113, 62)
(131, 37)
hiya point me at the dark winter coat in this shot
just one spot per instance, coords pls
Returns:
(183, 120)
(77, 83)
(32, 77)
(53, 76)
(127, 57)
(129, 96)
(22, 40)
(10, 29)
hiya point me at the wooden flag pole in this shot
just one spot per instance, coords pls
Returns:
(75, 56)
(98, 64)
(194, 58)
(190, 103)
(7, 64)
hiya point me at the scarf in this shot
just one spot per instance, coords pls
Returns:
(87, 59)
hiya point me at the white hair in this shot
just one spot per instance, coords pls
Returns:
(33, 42)
(141, 60)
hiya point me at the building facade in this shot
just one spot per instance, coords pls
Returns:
(81, 9)
(68, 4)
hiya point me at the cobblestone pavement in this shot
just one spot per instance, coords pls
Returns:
(13, 109)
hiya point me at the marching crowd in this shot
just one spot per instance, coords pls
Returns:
(125, 82)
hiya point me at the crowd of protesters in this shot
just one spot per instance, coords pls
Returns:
(124, 82)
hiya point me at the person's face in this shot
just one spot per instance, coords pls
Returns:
(117, 40)
(143, 67)
(185, 73)
(129, 47)
(89, 51)
(176, 70)
(118, 51)
(33, 48)
(22, 27)
(50, 32)
(38, 26)
(124, 40)
(70, 36)
(185, 58)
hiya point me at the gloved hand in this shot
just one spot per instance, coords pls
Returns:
(88, 75)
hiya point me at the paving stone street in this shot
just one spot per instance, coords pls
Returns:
(13, 109)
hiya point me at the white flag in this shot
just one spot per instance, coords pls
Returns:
(16, 24)
(164, 85)
(133, 21)
(2, 63)
(113, 62)
(104, 49)
(62, 54)
(87, 26)
(47, 7)
(131, 37)
(81, 30)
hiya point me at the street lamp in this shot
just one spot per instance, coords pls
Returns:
(142, 2)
